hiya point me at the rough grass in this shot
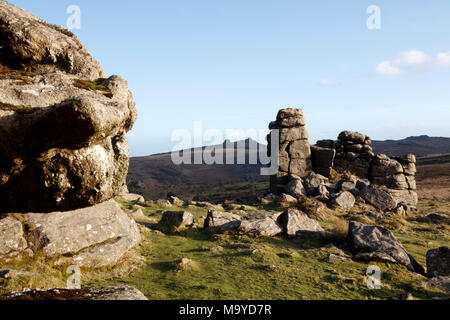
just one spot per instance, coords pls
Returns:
(240, 267)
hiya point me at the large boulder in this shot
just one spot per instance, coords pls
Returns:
(63, 143)
(296, 223)
(378, 243)
(92, 237)
(438, 262)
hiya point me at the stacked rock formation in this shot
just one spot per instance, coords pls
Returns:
(294, 149)
(63, 146)
(352, 153)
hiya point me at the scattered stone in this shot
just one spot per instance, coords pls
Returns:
(267, 227)
(402, 296)
(438, 262)
(370, 214)
(379, 198)
(313, 181)
(295, 188)
(132, 197)
(365, 239)
(222, 221)
(175, 201)
(333, 258)
(296, 223)
(177, 219)
(287, 199)
(102, 293)
(345, 200)
(441, 282)
(185, 264)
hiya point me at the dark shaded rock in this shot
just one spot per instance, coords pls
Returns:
(364, 239)
(438, 262)
(177, 219)
(325, 143)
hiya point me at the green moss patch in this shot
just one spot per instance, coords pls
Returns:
(93, 86)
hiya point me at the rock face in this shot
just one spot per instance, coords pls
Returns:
(62, 127)
(438, 262)
(294, 150)
(91, 237)
(101, 293)
(29, 40)
(377, 243)
(63, 147)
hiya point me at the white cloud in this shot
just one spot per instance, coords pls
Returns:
(443, 59)
(328, 83)
(387, 69)
(414, 59)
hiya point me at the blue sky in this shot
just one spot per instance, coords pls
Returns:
(233, 63)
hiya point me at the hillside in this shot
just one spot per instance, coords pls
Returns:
(156, 175)
(420, 146)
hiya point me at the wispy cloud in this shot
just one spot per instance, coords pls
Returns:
(387, 69)
(415, 60)
(443, 59)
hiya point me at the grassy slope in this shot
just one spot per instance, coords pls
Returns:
(230, 268)
(240, 267)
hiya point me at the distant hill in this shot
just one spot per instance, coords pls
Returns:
(420, 146)
(156, 175)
